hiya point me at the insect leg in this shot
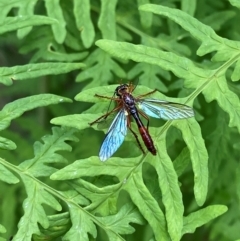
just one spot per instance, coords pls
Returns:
(105, 115)
(135, 135)
(106, 97)
(149, 93)
(144, 116)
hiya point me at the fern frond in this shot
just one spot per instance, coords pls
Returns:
(180, 66)
(102, 200)
(18, 107)
(45, 154)
(146, 204)
(19, 22)
(150, 74)
(60, 223)
(8, 74)
(129, 179)
(33, 210)
(25, 9)
(145, 18)
(43, 43)
(226, 49)
(226, 99)
(54, 11)
(6, 175)
(7, 144)
(171, 194)
(191, 132)
(235, 3)
(2, 230)
(100, 69)
(182, 161)
(106, 21)
(200, 217)
(84, 22)
(120, 222)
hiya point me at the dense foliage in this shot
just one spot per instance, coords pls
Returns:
(57, 55)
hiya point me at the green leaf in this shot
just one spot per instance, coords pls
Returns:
(210, 40)
(89, 167)
(101, 69)
(5, 174)
(149, 73)
(196, 28)
(235, 3)
(14, 23)
(182, 161)
(106, 21)
(48, 49)
(8, 74)
(89, 94)
(33, 210)
(59, 224)
(18, 107)
(120, 222)
(25, 9)
(218, 139)
(54, 11)
(200, 217)
(236, 72)
(75, 195)
(189, 6)
(216, 20)
(45, 154)
(83, 20)
(145, 18)
(81, 225)
(227, 100)
(2, 229)
(238, 184)
(79, 121)
(171, 194)
(147, 205)
(58, 56)
(103, 200)
(192, 136)
(7, 144)
(180, 66)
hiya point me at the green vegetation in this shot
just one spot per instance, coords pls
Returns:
(55, 56)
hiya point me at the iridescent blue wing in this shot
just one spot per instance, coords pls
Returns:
(164, 109)
(115, 136)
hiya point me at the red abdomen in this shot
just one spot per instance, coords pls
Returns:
(147, 140)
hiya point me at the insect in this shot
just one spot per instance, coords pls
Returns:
(129, 106)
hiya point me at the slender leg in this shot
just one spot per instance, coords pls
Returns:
(135, 135)
(105, 115)
(149, 93)
(106, 97)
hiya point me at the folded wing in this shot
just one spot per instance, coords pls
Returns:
(164, 109)
(115, 136)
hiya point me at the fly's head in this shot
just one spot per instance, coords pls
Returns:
(121, 90)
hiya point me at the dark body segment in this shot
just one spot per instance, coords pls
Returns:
(130, 105)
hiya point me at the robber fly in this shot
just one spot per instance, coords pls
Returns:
(129, 106)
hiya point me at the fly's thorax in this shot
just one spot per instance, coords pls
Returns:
(129, 103)
(128, 99)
